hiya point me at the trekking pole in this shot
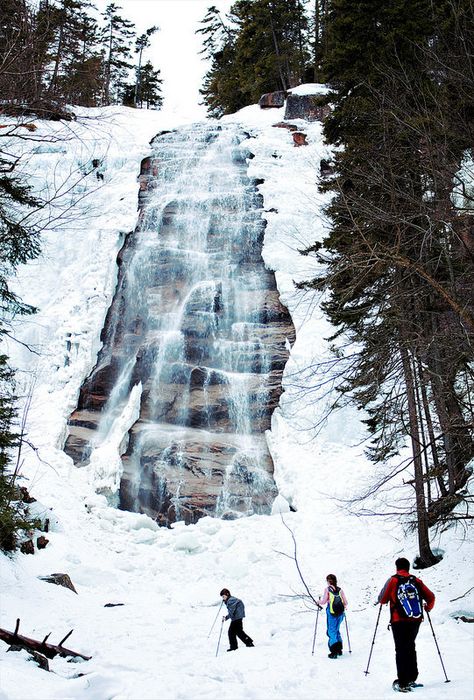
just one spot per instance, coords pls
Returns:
(220, 635)
(347, 632)
(373, 640)
(315, 628)
(437, 647)
(220, 606)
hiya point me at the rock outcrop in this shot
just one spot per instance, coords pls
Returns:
(272, 99)
(309, 107)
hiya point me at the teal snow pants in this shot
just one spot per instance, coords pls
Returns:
(333, 625)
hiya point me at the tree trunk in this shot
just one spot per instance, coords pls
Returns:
(54, 78)
(108, 69)
(427, 557)
(431, 435)
(48, 650)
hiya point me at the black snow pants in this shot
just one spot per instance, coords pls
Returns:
(236, 630)
(404, 635)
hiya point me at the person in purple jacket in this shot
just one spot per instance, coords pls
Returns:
(235, 613)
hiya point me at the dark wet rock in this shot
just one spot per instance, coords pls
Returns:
(299, 138)
(309, 107)
(272, 99)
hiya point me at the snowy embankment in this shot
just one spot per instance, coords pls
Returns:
(156, 645)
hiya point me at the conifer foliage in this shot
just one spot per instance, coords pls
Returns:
(57, 52)
(261, 46)
(19, 243)
(398, 258)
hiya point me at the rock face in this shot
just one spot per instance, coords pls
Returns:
(272, 99)
(307, 107)
(196, 321)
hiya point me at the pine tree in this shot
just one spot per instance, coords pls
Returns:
(20, 73)
(396, 273)
(150, 92)
(117, 35)
(141, 43)
(82, 82)
(66, 23)
(13, 518)
(260, 47)
(19, 243)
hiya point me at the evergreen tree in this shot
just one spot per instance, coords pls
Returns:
(13, 518)
(261, 47)
(117, 35)
(20, 69)
(83, 79)
(65, 20)
(220, 89)
(18, 244)
(150, 93)
(141, 43)
(396, 273)
(318, 33)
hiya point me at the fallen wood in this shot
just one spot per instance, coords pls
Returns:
(59, 580)
(33, 645)
(40, 659)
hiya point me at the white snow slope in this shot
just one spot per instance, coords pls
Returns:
(157, 645)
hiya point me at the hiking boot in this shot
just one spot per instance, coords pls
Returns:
(250, 644)
(232, 649)
(332, 655)
(400, 688)
(413, 684)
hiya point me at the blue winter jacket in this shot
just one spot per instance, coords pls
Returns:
(235, 608)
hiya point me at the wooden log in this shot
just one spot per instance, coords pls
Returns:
(33, 645)
(60, 580)
(40, 659)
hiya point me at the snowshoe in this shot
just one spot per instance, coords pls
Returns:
(400, 688)
(413, 684)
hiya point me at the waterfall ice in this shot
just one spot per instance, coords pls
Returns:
(197, 320)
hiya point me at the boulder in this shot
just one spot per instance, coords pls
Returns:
(299, 138)
(272, 99)
(309, 107)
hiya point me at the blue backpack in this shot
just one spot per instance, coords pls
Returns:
(408, 598)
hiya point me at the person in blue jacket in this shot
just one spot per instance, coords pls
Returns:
(235, 613)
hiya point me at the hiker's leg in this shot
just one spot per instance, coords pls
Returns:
(332, 629)
(339, 620)
(233, 635)
(241, 634)
(412, 666)
(403, 649)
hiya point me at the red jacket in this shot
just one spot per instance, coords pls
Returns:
(388, 595)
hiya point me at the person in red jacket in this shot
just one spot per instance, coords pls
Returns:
(404, 627)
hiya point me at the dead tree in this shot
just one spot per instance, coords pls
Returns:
(33, 645)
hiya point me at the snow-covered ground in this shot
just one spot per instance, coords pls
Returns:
(156, 645)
